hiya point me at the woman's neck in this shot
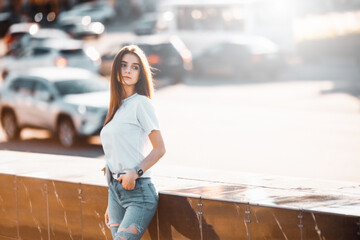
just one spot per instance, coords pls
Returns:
(129, 92)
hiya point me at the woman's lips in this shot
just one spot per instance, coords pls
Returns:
(126, 77)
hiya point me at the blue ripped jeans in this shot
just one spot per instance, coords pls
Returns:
(131, 211)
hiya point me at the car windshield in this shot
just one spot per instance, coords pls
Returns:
(262, 46)
(164, 49)
(72, 52)
(80, 86)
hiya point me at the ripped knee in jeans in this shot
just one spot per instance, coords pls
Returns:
(130, 233)
(113, 228)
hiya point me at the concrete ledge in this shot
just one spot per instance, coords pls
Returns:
(60, 197)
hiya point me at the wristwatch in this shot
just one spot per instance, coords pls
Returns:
(139, 171)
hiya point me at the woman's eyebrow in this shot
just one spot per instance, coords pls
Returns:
(132, 63)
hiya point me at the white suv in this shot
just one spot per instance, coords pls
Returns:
(52, 52)
(70, 102)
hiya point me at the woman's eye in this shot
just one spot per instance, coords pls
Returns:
(123, 65)
(135, 67)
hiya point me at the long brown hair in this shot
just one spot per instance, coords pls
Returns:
(144, 86)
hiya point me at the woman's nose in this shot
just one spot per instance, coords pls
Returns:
(127, 69)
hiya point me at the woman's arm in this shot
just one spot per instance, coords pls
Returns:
(128, 179)
(157, 152)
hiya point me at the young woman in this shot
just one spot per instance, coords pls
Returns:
(132, 144)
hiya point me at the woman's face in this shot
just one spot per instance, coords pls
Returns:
(130, 69)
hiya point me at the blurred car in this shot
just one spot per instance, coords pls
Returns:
(40, 36)
(81, 27)
(246, 55)
(99, 11)
(59, 53)
(69, 102)
(16, 32)
(167, 55)
(146, 24)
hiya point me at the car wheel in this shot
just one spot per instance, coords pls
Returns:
(199, 70)
(178, 78)
(10, 126)
(66, 132)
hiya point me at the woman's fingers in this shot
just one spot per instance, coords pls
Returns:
(106, 216)
(127, 181)
(120, 178)
(130, 186)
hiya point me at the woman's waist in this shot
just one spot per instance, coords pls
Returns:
(117, 172)
(117, 175)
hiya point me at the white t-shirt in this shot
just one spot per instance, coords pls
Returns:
(125, 138)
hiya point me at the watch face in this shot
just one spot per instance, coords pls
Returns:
(140, 172)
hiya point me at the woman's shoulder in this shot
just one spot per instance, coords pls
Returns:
(143, 99)
(143, 102)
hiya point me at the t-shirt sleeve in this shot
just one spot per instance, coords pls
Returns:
(147, 117)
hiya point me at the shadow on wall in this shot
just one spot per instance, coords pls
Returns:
(180, 219)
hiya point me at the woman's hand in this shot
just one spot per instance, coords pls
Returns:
(106, 216)
(128, 179)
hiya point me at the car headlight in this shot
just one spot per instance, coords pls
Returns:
(92, 53)
(97, 27)
(82, 109)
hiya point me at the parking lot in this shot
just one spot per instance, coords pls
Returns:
(306, 123)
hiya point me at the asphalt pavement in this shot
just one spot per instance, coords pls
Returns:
(297, 128)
